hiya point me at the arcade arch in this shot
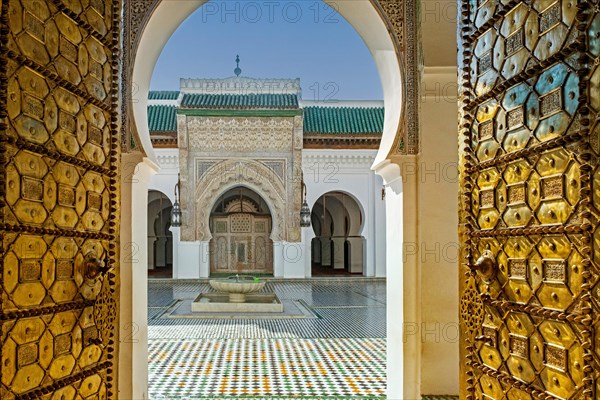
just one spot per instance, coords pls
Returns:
(160, 237)
(338, 245)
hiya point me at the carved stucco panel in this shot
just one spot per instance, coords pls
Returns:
(240, 134)
(182, 133)
(239, 142)
(298, 133)
(394, 12)
(401, 19)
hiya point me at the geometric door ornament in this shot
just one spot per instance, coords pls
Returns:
(59, 157)
(529, 75)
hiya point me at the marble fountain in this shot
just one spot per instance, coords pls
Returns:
(237, 294)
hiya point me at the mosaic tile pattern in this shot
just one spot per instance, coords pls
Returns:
(338, 355)
(268, 367)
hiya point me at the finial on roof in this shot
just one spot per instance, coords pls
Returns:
(237, 70)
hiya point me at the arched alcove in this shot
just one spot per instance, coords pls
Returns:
(240, 226)
(160, 238)
(338, 246)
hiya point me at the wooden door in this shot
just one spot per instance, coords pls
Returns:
(241, 244)
(529, 138)
(59, 198)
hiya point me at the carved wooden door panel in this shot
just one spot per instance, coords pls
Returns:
(530, 199)
(241, 244)
(58, 198)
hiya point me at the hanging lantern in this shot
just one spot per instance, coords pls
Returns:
(176, 215)
(176, 211)
(304, 210)
(305, 215)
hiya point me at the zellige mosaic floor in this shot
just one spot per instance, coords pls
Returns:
(337, 351)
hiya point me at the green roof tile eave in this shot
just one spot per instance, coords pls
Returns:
(162, 118)
(343, 120)
(240, 102)
(163, 95)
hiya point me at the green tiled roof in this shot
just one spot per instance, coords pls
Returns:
(343, 120)
(162, 119)
(240, 101)
(163, 95)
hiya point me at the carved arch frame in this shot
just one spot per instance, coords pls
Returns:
(252, 175)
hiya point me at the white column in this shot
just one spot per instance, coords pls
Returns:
(204, 259)
(160, 256)
(307, 237)
(338, 252)
(380, 230)
(369, 233)
(176, 240)
(395, 296)
(403, 284)
(133, 341)
(357, 254)
(150, 259)
(326, 260)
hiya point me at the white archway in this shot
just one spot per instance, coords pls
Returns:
(365, 19)
(361, 14)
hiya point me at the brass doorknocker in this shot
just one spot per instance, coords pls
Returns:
(93, 267)
(485, 340)
(486, 266)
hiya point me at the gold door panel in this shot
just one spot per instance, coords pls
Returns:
(59, 195)
(529, 213)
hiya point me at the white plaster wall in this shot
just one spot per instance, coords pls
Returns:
(192, 260)
(395, 302)
(166, 179)
(292, 258)
(437, 250)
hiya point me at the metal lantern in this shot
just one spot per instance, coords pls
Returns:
(176, 215)
(304, 210)
(305, 215)
(176, 211)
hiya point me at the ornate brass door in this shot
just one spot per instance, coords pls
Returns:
(530, 202)
(58, 195)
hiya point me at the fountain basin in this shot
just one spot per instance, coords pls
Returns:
(255, 303)
(237, 287)
(237, 294)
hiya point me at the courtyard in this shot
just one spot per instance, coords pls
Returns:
(328, 343)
